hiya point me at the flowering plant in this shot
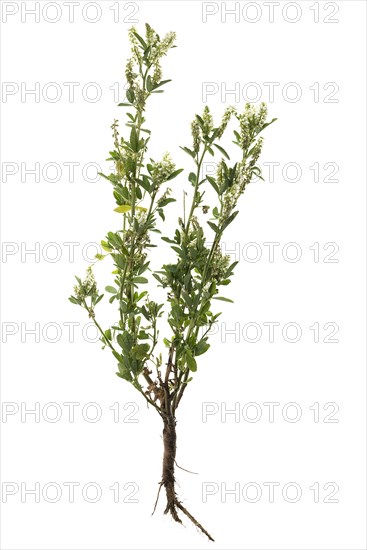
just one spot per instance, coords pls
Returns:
(198, 271)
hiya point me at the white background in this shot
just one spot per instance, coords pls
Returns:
(35, 289)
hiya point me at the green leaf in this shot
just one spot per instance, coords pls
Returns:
(139, 280)
(223, 151)
(141, 295)
(111, 289)
(146, 54)
(98, 299)
(105, 246)
(161, 83)
(118, 356)
(119, 260)
(174, 174)
(213, 183)
(123, 208)
(166, 201)
(130, 95)
(100, 256)
(145, 312)
(215, 212)
(192, 178)
(125, 341)
(161, 213)
(191, 362)
(266, 125)
(74, 300)
(201, 347)
(124, 372)
(213, 226)
(140, 351)
(229, 220)
(159, 279)
(188, 151)
(142, 42)
(230, 269)
(187, 298)
(223, 299)
(134, 142)
(145, 183)
(149, 83)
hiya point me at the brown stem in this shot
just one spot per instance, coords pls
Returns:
(168, 472)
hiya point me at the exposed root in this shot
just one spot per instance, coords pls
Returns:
(168, 478)
(194, 521)
(184, 469)
(156, 501)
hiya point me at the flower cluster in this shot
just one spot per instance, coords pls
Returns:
(129, 72)
(138, 240)
(225, 120)
(234, 185)
(157, 49)
(229, 201)
(221, 171)
(162, 170)
(86, 288)
(141, 215)
(243, 177)
(161, 47)
(256, 151)
(195, 132)
(151, 37)
(220, 264)
(208, 121)
(251, 122)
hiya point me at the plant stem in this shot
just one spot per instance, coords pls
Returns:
(92, 316)
(193, 204)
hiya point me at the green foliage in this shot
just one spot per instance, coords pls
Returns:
(196, 271)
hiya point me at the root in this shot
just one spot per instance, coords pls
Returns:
(171, 508)
(168, 479)
(194, 521)
(184, 469)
